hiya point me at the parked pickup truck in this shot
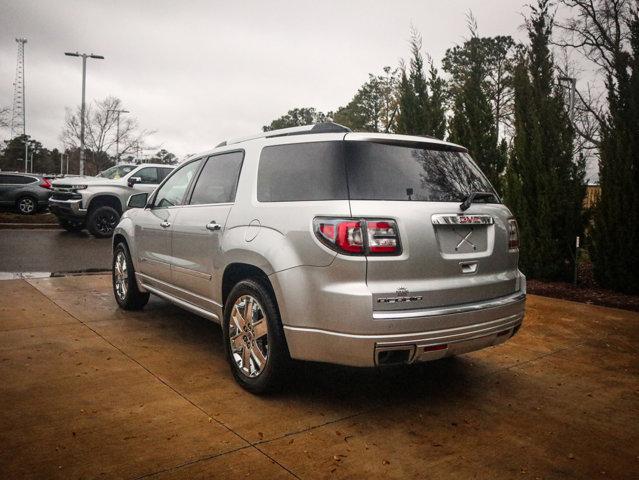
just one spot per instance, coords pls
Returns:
(97, 203)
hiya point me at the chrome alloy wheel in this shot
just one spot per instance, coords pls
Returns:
(26, 206)
(121, 275)
(248, 336)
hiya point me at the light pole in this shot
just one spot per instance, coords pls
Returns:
(117, 134)
(84, 81)
(572, 81)
(571, 96)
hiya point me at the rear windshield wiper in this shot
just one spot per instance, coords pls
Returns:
(472, 196)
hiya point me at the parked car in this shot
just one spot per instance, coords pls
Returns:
(98, 202)
(25, 192)
(316, 243)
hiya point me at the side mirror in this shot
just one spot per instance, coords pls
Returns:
(138, 200)
(133, 180)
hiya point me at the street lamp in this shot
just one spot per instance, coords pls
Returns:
(84, 79)
(117, 134)
(571, 96)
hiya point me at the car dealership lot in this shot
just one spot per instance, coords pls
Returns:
(89, 391)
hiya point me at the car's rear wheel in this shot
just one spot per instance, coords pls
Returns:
(125, 288)
(71, 225)
(102, 221)
(254, 338)
(27, 205)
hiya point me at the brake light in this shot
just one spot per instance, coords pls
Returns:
(45, 183)
(358, 236)
(513, 234)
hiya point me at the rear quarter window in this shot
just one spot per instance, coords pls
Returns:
(302, 172)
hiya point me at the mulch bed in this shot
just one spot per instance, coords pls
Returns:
(584, 293)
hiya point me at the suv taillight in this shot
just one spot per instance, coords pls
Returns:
(45, 183)
(359, 236)
(513, 234)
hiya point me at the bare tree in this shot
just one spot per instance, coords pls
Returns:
(4, 117)
(102, 134)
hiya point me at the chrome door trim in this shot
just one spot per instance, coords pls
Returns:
(461, 219)
(191, 272)
(431, 312)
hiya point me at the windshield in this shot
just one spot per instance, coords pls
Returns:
(117, 171)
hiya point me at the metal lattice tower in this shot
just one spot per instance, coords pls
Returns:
(18, 114)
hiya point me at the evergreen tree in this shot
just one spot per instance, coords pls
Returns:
(473, 124)
(422, 101)
(544, 185)
(616, 230)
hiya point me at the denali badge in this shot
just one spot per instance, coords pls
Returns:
(403, 295)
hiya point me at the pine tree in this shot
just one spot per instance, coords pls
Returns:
(422, 101)
(473, 124)
(544, 185)
(615, 237)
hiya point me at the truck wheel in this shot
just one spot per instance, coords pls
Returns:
(102, 221)
(70, 225)
(253, 337)
(125, 288)
(26, 205)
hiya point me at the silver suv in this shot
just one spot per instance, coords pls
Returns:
(98, 202)
(316, 243)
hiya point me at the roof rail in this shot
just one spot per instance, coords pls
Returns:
(326, 127)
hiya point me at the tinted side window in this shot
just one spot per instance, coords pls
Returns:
(163, 173)
(302, 172)
(174, 189)
(16, 180)
(148, 175)
(218, 181)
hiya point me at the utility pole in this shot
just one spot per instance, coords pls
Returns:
(82, 108)
(117, 134)
(18, 113)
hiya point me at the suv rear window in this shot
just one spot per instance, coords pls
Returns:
(375, 171)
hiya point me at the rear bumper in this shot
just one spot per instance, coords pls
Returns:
(67, 208)
(445, 332)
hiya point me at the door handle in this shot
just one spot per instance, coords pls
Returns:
(213, 226)
(165, 224)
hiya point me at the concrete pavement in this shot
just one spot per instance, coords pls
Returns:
(91, 391)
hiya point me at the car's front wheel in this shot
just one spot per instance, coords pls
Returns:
(254, 338)
(125, 288)
(102, 221)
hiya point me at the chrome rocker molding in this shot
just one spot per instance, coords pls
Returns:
(167, 296)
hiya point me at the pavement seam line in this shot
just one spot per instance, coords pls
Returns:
(184, 397)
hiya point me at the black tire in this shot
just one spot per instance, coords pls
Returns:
(71, 225)
(102, 221)
(271, 377)
(131, 298)
(27, 205)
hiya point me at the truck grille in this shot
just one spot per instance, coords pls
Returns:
(61, 195)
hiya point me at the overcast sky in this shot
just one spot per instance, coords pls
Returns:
(199, 72)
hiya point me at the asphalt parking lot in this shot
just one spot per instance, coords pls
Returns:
(90, 391)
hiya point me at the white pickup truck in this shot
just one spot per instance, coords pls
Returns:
(98, 202)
